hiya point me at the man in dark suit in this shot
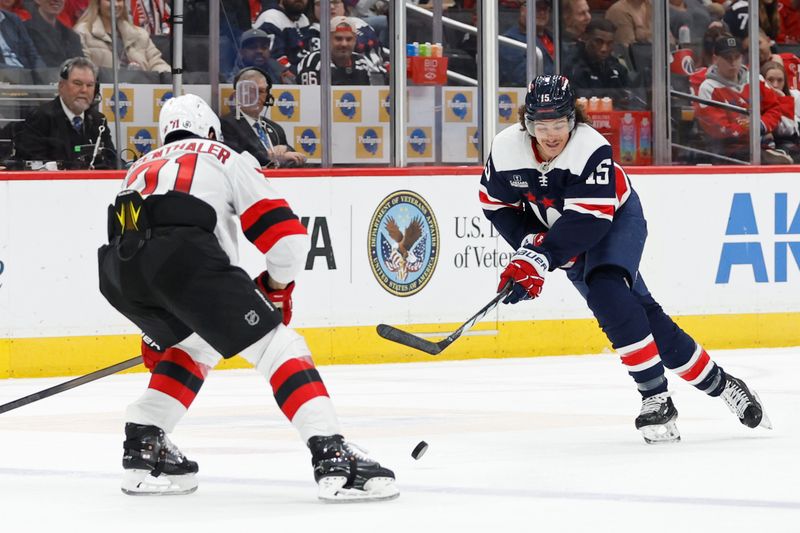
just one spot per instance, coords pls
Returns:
(254, 133)
(19, 50)
(66, 129)
(55, 42)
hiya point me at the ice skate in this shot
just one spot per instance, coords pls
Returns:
(345, 473)
(154, 465)
(657, 418)
(744, 403)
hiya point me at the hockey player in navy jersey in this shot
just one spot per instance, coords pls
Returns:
(554, 192)
(170, 267)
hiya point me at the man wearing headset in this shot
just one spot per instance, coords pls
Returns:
(67, 128)
(249, 131)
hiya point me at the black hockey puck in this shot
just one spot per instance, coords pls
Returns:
(419, 450)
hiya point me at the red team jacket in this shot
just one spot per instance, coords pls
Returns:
(723, 124)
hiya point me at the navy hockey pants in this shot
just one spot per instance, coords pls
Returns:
(608, 277)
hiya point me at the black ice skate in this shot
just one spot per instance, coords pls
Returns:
(345, 473)
(153, 465)
(657, 419)
(744, 403)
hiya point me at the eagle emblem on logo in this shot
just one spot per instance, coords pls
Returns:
(406, 252)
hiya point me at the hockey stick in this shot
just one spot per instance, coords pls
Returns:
(435, 348)
(71, 384)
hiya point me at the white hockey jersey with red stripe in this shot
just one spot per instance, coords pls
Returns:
(573, 198)
(233, 185)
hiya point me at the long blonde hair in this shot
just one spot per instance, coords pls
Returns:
(92, 13)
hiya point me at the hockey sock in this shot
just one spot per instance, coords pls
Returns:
(624, 321)
(682, 354)
(283, 357)
(174, 384)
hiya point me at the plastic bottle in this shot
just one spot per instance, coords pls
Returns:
(684, 36)
(594, 104)
(425, 50)
(606, 104)
(627, 144)
(644, 138)
(437, 50)
(583, 102)
(411, 49)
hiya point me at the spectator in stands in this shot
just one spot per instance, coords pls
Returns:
(789, 13)
(633, 20)
(73, 9)
(16, 47)
(288, 27)
(375, 13)
(367, 42)
(55, 42)
(152, 15)
(697, 19)
(136, 49)
(594, 71)
(513, 64)
(347, 66)
(67, 128)
(710, 37)
(254, 52)
(726, 81)
(736, 17)
(787, 135)
(575, 17)
(764, 49)
(16, 7)
(253, 132)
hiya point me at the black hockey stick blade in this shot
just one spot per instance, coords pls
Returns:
(408, 339)
(71, 384)
(435, 348)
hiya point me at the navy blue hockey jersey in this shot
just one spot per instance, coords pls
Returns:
(573, 197)
(288, 39)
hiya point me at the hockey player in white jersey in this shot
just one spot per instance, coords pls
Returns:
(170, 267)
(553, 191)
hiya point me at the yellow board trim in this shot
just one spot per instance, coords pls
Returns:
(67, 356)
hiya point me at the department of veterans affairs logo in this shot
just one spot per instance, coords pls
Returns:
(403, 243)
(287, 105)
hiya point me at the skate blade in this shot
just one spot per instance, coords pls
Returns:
(331, 490)
(765, 423)
(661, 433)
(141, 483)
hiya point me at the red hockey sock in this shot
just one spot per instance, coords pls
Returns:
(178, 376)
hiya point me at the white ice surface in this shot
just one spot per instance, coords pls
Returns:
(540, 445)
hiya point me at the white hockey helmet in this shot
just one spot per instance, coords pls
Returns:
(188, 113)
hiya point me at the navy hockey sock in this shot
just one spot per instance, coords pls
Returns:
(625, 323)
(681, 354)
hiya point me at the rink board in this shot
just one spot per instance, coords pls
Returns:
(722, 255)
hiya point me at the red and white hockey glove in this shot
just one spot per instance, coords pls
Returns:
(526, 269)
(537, 238)
(280, 298)
(150, 357)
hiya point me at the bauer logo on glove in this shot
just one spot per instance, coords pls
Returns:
(526, 270)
